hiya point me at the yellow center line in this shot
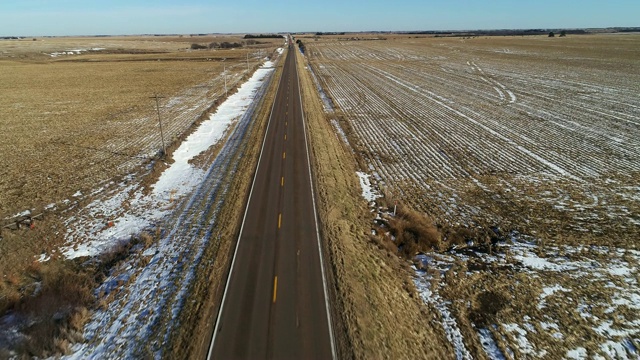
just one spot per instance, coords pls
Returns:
(275, 288)
(282, 181)
(284, 154)
(285, 136)
(279, 220)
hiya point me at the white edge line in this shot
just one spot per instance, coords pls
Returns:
(315, 217)
(246, 210)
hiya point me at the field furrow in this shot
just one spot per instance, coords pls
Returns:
(490, 124)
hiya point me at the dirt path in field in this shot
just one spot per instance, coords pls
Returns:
(376, 311)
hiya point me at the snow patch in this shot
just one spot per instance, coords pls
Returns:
(368, 192)
(489, 345)
(448, 320)
(577, 353)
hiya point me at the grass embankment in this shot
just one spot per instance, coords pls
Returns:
(376, 312)
(51, 307)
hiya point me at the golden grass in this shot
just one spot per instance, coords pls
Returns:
(56, 308)
(68, 121)
(376, 312)
(76, 122)
(56, 113)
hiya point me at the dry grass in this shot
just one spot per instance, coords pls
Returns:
(78, 122)
(475, 210)
(69, 123)
(55, 298)
(73, 119)
(414, 233)
(500, 293)
(55, 310)
(376, 313)
(191, 339)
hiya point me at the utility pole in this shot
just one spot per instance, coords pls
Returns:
(164, 150)
(247, 61)
(225, 81)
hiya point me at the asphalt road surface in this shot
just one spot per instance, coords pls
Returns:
(275, 306)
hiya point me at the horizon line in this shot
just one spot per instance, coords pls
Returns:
(5, 37)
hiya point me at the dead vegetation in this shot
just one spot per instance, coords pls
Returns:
(51, 305)
(375, 310)
(539, 264)
(56, 311)
(413, 233)
(409, 232)
(76, 126)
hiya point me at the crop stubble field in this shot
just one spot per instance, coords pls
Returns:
(78, 121)
(536, 135)
(74, 120)
(532, 142)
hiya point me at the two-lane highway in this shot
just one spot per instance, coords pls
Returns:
(275, 302)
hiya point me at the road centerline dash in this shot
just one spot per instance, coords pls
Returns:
(275, 289)
(296, 324)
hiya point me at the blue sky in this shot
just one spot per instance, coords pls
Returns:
(87, 17)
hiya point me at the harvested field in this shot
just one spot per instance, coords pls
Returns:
(524, 152)
(539, 135)
(372, 296)
(80, 119)
(81, 145)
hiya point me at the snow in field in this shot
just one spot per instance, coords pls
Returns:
(179, 179)
(611, 316)
(73, 52)
(577, 353)
(156, 281)
(548, 291)
(422, 282)
(340, 132)
(20, 214)
(489, 345)
(522, 342)
(618, 274)
(368, 192)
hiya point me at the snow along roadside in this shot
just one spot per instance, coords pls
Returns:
(144, 211)
(126, 328)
